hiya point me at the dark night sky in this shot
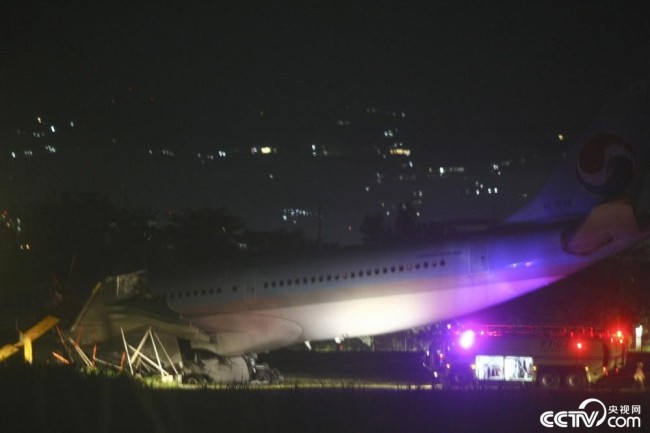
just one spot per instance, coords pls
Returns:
(497, 63)
(508, 72)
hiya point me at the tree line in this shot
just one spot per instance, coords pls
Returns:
(50, 249)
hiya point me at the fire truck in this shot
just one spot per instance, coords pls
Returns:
(547, 356)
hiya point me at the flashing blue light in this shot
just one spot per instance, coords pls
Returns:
(466, 339)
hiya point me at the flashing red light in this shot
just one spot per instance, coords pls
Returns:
(619, 335)
(579, 345)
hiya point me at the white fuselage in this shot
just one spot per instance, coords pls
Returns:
(273, 303)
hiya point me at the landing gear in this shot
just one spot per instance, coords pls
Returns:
(195, 379)
(262, 372)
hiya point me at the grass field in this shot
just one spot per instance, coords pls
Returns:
(56, 399)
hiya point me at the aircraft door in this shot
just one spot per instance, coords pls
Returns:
(478, 258)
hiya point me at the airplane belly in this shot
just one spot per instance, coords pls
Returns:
(417, 304)
(385, 314)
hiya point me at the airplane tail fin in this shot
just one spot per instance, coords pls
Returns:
(608, 163)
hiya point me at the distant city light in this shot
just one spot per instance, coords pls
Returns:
(39, 120)
(294, 214)
(400, 151)
(447, 170)
(560, 137)
(265, 150)
(52, 128)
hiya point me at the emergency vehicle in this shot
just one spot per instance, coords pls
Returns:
(548, 356)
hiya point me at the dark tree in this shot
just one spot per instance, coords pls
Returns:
(204, 234)
(373, 229)
(405, 225)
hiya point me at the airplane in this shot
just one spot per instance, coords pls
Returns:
(583, 214)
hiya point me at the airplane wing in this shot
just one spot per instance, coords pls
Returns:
(124, 304)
